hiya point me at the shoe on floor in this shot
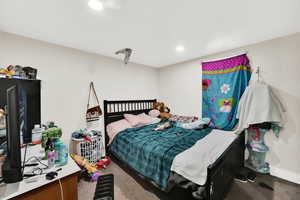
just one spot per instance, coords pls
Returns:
(251, 177)
(241, 178)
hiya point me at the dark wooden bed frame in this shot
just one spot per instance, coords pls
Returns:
(220, 174)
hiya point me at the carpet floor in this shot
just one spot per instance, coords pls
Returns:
(126, 188)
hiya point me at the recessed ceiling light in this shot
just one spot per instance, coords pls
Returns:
(180, 48)
(96, 5)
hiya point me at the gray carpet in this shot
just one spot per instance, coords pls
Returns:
(126, 188)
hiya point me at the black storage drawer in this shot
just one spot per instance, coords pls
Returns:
(222, 172)
(221, 181)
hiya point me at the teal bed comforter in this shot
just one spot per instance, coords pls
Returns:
(150, 152)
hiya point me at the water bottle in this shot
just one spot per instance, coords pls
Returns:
(63, 154)
(57, 148)
(51, 158)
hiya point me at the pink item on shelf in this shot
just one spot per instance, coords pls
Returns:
(115, 127)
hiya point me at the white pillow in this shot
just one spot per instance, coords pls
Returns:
(154, 113)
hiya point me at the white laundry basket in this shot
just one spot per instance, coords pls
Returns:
(92, 151)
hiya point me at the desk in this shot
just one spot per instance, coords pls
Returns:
(43, 188)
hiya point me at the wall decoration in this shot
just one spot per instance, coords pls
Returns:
(225, 88)
(226, 105)
(205, 84)
(223, 84)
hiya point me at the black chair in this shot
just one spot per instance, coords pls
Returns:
(105, 188)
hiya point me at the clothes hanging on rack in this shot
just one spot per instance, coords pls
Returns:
(259, 104)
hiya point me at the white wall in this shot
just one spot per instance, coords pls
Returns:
(279, 59)
(66, 73)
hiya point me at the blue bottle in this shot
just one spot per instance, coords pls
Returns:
(63, 154)
(57, 149)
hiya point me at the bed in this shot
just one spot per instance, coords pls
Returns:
(219, 174)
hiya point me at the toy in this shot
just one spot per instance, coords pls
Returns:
(162, 126)
(90, 168)
(48, 138)
(164, 110)
(81, 161)
(95, 176)
(17, 71)
(103, 163)
(6, 73)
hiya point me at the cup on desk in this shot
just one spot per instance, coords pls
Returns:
(36, 136)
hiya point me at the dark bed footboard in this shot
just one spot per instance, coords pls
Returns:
(221, 174)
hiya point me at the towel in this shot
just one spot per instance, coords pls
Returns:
(259, 104)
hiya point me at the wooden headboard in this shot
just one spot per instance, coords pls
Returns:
(114, 110)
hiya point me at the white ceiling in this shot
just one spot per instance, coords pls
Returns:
(152, 28)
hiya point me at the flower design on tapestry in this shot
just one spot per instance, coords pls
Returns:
(205, 84)
(226, 105)
(225, 88)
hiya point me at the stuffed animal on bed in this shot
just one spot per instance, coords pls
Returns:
(164, 110)
(163, 126)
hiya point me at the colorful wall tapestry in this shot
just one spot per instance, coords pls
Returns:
(223, 83)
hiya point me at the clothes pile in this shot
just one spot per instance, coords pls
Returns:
(85, 134)
(190, 122)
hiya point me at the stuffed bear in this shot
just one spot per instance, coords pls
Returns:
(164, 110)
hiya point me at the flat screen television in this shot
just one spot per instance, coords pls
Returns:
(12, 166)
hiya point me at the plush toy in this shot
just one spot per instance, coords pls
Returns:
(162, 126)
(6, 72)
(91, 170)
(84, 163)
(164, 110)
(47, 138)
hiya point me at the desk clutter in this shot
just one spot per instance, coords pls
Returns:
(55, 150)
(18, 72)
(54, 153)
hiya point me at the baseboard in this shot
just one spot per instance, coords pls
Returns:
(285, 174)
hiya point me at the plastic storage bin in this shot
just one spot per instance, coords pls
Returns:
(92, 151)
